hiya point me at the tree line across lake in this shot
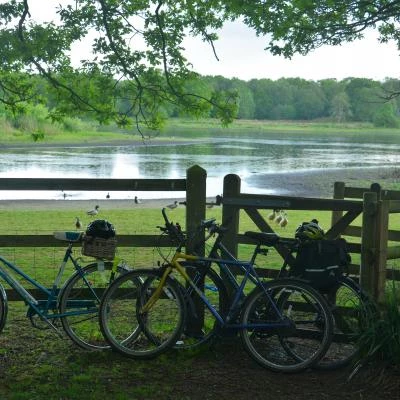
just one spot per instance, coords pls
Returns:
(351, 99)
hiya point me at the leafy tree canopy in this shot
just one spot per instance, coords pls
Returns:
(299, 26)
(137, 56)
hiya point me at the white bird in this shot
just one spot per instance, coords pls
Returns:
(93, 212)
(78, 223)
(137, 201)
(173, 205)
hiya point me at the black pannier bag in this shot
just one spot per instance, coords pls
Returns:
(321, 262)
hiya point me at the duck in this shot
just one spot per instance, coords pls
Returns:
(173, 205)
(78, 223)
(93, 212)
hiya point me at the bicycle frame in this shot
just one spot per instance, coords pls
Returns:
(45, 308)
(223, 321)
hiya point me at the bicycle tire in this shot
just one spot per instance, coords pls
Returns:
(352, 311)
(142, 335)
(305, 339)
(201, 325)
(83, 328)
(3, 308)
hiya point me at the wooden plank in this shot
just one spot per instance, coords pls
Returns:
(50, 241)
(196, 178)
(231, 213)
(293, 203)
(91, 184)
(355, 192)
(381, 246)
(368, 243)
(338, 229)
(394, 206)
(393, 252)
(338, 194)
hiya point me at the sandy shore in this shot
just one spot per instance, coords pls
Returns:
(83, 204)
(318, 183)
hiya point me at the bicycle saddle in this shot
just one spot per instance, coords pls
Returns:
(269, 239)
(68, 236)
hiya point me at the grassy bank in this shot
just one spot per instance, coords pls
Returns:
(183, 129)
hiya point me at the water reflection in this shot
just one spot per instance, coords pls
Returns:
(248, 157)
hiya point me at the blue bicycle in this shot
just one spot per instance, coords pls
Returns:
(75, 305)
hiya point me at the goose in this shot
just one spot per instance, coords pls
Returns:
(137, 201)
(279, 218)
(272, 216)
(173, 205)
(78, 223)
(93, 212)
(284, 221)
(108, 195)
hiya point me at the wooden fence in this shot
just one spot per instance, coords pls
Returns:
(374, 205)
(194, 185)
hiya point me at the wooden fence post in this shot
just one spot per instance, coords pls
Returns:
(196, 178)
(230, 214)
(382, 234)
(368, 243)
(338, 194)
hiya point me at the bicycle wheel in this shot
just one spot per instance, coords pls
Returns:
(294, 342)
(80, 297)
(3, 308)
(201, 325)
(352, 311)
(139, 334)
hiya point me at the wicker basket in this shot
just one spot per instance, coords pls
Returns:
(98, 247)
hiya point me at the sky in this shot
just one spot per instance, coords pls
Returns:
(241, 54)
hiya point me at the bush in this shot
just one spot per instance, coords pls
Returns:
(380, 342)
(385, 117)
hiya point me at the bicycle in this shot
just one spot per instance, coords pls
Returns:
(352, 311)
(144, 312)
(75, 304)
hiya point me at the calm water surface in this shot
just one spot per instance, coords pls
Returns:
(248, 157)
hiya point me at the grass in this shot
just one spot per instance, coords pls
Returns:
(181, 129)
(36, 364)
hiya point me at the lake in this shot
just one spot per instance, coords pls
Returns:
(253, 157)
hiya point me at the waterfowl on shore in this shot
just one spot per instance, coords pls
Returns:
(173, 205)
(93, 212)
(272, 216)
(136, 200)
(279, 218)
(78, 223)
(284, 221)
